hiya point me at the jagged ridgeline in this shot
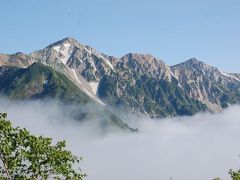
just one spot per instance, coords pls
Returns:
(75, 73)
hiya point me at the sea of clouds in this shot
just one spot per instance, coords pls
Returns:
(200, 147)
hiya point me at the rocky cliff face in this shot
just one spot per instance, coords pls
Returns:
(139, 82)
(132, 65)
(207, 84)
(82, 64)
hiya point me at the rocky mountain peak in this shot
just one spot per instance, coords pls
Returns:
(93, 72)
(69, 47)
(191, 62)
(19, 54)
(133, 59)
(139, 55)
(67, 40)
(194, 65)
(144, 64)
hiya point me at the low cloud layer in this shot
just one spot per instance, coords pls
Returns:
(199, 147)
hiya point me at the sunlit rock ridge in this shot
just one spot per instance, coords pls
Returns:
(137, 82)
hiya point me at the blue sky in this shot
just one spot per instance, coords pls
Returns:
(172, 30)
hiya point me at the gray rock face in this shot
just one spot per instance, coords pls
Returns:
(82, 64)
(207, 84)
(87, 68)
(141, 64)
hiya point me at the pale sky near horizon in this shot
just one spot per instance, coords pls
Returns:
(173, 30)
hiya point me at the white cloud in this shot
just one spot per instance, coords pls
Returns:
(199, 147)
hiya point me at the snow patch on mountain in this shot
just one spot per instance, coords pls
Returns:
(230, 76)
(94, 87)
(108, 63)
(86, 49)
(63, 52)
(57, 48)
(75, 76)
(84, 88)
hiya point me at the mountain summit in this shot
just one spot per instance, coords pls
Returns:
(137, 82)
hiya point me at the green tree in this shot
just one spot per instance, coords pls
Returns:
(218, 178)
(235, 175)
(25, 156)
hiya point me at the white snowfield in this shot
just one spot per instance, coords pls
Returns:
(94, 87)
(63, 52)
(86, 49)
(91, 91)
(106, 61)
(230, 76)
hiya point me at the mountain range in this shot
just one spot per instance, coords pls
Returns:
(77, 74)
